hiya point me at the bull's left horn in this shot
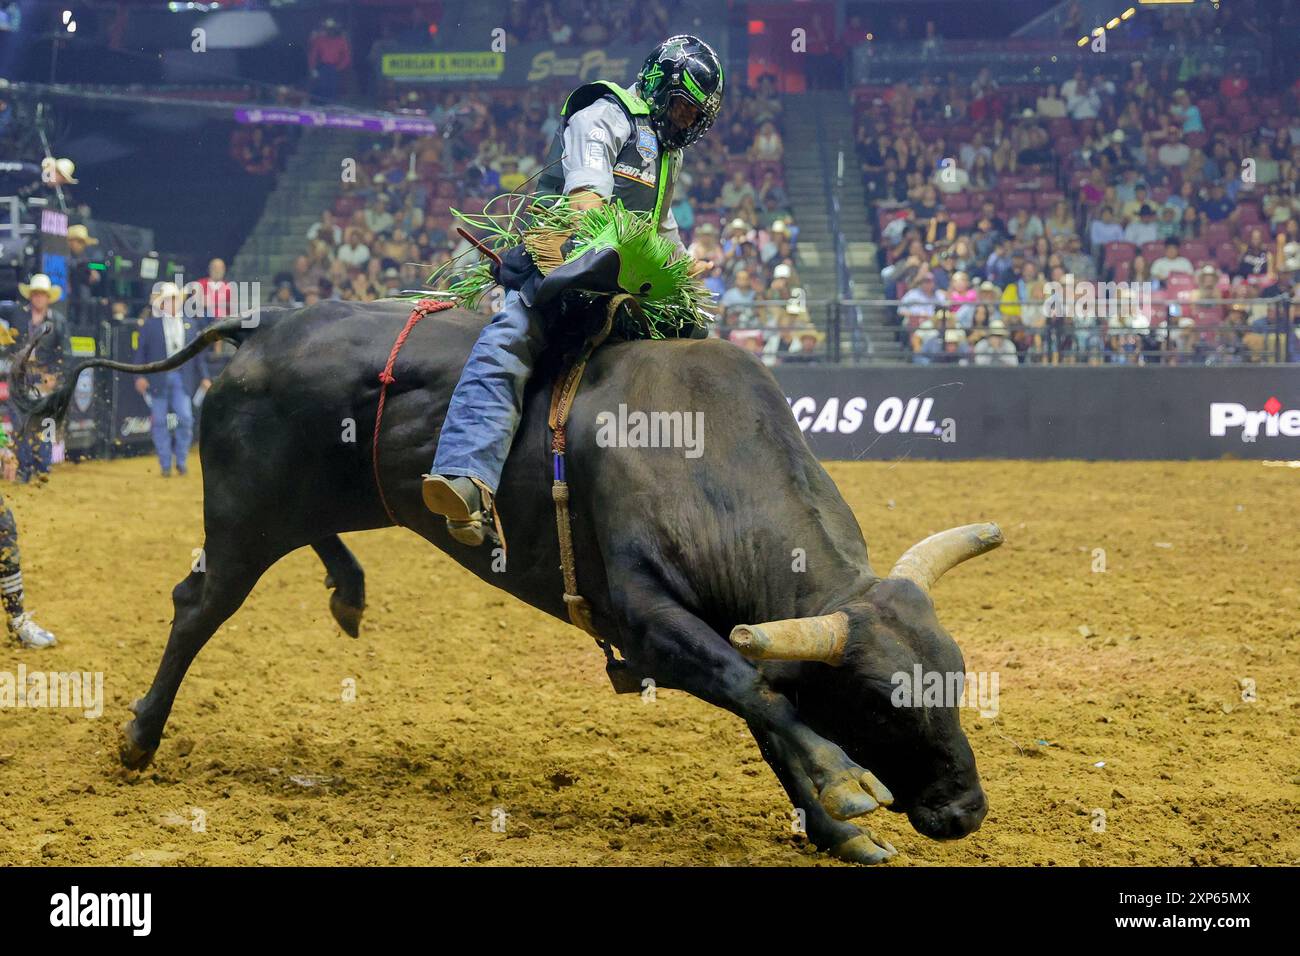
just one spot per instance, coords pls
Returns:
(927, 561)
(798, 639)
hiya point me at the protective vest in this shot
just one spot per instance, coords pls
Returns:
(641, 168)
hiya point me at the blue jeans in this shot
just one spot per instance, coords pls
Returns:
(33, 452)
(487, 404)
(171, 396)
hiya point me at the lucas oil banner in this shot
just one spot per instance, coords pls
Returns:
(1060, 412)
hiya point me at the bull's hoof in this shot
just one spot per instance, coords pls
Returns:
(348, 617)
(867, 849)
(854, 793)
(134, 756)
(846, 800)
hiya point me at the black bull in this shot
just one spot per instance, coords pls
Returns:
(676, 553)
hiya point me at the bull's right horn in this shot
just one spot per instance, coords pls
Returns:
(820, 638)
(927, 561)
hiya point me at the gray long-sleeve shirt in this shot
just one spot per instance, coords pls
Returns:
(592, 141)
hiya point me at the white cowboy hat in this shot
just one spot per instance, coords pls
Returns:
(41, 283)
(66, 168)
(81, 232)
(165, 290)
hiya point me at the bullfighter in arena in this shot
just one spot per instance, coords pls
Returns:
(613, 145)
(21, 624)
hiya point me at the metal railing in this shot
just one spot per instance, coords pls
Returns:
(1205, 331)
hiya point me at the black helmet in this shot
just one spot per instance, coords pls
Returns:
(681, 66)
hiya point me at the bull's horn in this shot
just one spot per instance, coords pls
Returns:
(926, 562)
(798, 639)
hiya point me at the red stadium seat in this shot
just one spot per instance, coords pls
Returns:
(1250, 214)
(1044, 201)
(1013, 201)
(1061, 126)
(1227, 255)
(1196, 250)
(1216, 233)
(1151, 251)
(1117, 252)
(1065, 145)
(956, 202)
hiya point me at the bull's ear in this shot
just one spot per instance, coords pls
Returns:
(797, 639)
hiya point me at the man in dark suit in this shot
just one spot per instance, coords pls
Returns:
(163, 334)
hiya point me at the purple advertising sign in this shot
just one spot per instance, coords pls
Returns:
(378, 122)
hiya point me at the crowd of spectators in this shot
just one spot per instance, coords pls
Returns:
(1181, 179)
(569, 21)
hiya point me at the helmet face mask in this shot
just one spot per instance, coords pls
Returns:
(681, 68)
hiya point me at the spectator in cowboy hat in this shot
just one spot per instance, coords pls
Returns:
(65, 172)
(995, 348)
(79, 238)
(84, 280)
(1142, 230)
(41, 295)
(779, 347)
(737, 231)
(704, 244)
(162, 335)
(954, 348)
(808, 346)
(46, 361)
(926, 342)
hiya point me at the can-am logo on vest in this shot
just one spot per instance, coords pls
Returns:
(911, 416)
(1272, 421)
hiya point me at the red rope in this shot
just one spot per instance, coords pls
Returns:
(422, 308)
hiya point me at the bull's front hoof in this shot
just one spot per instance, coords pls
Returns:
(867, 849)
(347, 616)
(854, 793)
(133, 755)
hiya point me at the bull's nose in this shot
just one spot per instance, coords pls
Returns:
(952, 821)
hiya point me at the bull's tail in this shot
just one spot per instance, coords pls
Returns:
(55, 404)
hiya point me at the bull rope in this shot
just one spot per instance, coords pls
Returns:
(422, 308)
(566, 387)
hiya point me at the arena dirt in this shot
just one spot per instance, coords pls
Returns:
(468, 701)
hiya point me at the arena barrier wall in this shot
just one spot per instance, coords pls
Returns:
(1088, 412)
